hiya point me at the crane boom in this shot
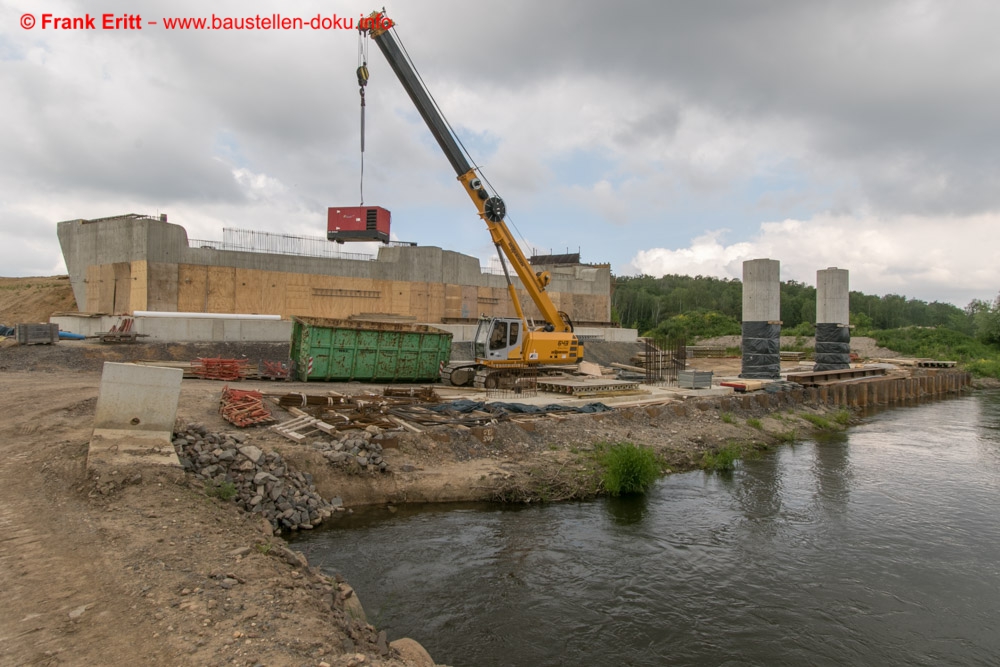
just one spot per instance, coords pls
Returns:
(491, 209)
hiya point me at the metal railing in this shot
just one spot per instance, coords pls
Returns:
(248, 240)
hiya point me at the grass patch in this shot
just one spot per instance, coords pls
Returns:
(842, 417)
(721, 460)
(223, 491)
(628, 468)
(755, 423)
(727, 417)
(817, 421)
(787, 436)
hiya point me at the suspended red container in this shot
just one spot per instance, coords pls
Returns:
(357, 223)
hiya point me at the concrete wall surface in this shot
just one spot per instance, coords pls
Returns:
(833, 305)
(761, 290)
(138, 398)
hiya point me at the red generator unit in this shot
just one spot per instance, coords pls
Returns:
(357, 223)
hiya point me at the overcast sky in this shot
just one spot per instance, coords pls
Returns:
(662, 137)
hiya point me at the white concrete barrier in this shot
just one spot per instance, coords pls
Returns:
(134, 419)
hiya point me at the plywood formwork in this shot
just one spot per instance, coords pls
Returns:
(135, 262)
(137, 288)
(220, 296)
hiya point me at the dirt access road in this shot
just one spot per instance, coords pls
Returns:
(141, 567)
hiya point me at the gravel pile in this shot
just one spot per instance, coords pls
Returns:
(263, 483)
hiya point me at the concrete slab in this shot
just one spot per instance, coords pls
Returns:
(134, 418)
(111, 448)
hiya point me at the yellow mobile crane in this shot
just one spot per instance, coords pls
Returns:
(502, 344)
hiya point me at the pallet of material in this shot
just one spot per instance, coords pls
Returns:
(930, 363)
(706, 351)
(584, 388)
(791, 356)
(817, 378)
(743, 385)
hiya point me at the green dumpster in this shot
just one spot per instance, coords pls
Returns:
(340, 350)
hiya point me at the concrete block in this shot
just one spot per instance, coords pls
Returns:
(134, 418)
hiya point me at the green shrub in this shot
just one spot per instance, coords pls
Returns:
(699, 324)
(628, 468)
(755, 423)
(222, 491)
(984, 368)
(721, 460)
(801, 330)
(727, 417)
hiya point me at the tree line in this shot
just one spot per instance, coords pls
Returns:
(705, 306)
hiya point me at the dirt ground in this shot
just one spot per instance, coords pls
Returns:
(34, 299)
(139, 566)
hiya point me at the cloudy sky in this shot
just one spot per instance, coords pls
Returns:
(662, 137)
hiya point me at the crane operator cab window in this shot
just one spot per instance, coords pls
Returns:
(498, 337)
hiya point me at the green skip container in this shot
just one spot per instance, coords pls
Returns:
(342, 350)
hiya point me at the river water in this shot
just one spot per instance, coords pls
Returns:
(879, 546)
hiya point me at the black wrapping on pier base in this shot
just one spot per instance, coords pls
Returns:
(761, 345)
(833, 347)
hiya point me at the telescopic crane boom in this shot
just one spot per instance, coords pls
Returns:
(501, 343)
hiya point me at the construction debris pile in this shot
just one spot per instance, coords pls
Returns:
(414, 410)
(262, 482)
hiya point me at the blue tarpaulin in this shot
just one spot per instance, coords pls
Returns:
(465, 406)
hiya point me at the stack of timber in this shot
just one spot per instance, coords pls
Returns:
(706, 351)
(919, 363)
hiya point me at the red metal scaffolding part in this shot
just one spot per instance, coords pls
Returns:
(244, 407)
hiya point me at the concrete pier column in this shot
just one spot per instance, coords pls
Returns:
(833, 312)
(761, 319)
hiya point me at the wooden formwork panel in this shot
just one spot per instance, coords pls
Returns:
(139, 290)
(92, 281)
(453, 302)
(186, 287)
(435, 302)
(192, 288)
(161, 287)
(122, 272)
(221, 292)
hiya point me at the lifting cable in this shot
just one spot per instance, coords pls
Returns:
(362, 82)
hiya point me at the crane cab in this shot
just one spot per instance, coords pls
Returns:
(499, 339)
